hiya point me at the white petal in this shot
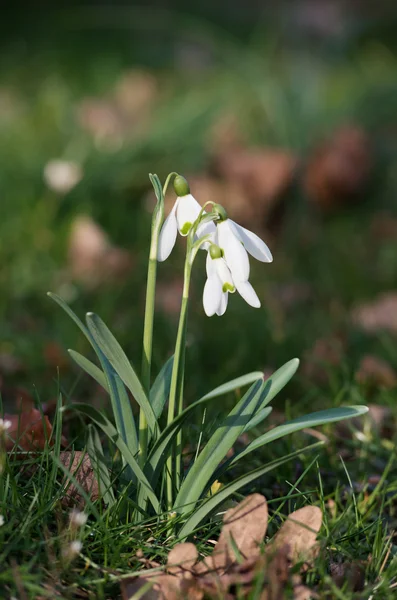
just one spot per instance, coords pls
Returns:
(223, 305)
(235, 254)
(188, 211)
(212, 296)
(209, 266)
(253, 244)
(206, 229)
(168, 235)
(247, 292)
(223, 272)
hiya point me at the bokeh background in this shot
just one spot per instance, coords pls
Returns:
(284, 112)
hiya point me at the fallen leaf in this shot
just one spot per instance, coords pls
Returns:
(338, 171)
(79, 465)
(225, 575)
(299, 532)
(374, 371)
(262, 176)
(325, 354)
(379, 314)
(244, 528)
(29, 430)
(92, 258)
(348, 573)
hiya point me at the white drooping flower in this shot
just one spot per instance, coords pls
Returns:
(181, 218)
(220, 282)
(5, 424)
(236, 242)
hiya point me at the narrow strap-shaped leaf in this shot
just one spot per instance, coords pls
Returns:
(115, 437)
(205, 509)
(321, 417)
(233, 384)
(160, 389)
(119, 361)
(121, 404)
(95, 452)
(90, 368)
(219, 445)
(277, 381)
(260, 416)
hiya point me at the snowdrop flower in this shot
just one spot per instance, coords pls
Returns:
(236, 241)
(5, 424)
(1, 521)
(181, 218)
(220, 282)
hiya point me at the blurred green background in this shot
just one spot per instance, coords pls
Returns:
(283, 112)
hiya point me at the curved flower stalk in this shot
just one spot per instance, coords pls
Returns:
(183, 215)
(220, 283)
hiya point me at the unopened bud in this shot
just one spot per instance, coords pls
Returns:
(181, 186)
(220, 211)
(215, 251)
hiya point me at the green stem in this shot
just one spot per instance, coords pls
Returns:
(157, 221)
(174, 462)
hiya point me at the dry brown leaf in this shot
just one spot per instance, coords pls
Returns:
(325, 354)
(338, 171)
(220, 575)
(299, 533)
(92, 258)
(29, 430)
(79, 465)
(352, 573)
(375, 371)
(263, 176)
(244, 528)
(380, 314)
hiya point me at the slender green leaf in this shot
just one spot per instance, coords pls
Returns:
(89, 367)
(95, 452)
(321, 417)
(115, 437)
(234, 384)
(219, 444)
(121, 405)
(260, 416)
(207, 507)
(160, 390)
(119, 361)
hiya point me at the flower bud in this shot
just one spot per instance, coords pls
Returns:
(181, 186)
(220, 212)
(215, 252)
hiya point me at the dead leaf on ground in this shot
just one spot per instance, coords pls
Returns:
(376, 372)
(262, 176)
(338, 171)
(79, 465)
(379, 314)
(237, 559)
(92, 258)
(325, 354)
(299, 532)
(29, 430)
(350, 573)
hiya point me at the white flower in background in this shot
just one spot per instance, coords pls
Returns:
(236, 242)
(1, 521)
(181, 218)
(61, 176)
(77, 518)
(220, 282)
(5, 424)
